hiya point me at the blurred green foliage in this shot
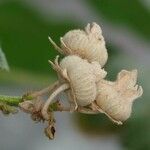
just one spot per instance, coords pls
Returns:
(129, 13)
(96, 124)
(136, 134)
(24, 37)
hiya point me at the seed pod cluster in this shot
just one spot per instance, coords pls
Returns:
(82, 70)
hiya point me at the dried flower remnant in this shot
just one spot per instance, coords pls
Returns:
(34, 108)
(115, 99)
(88, 44)
(50, 131)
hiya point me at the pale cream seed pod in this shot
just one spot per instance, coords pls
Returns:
(98, 71)
(115, 99)
(88, 44)
(69, 62)
(82, 79)
(77, 78)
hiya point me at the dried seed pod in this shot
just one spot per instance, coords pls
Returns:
(116, 98)
(78, 79)
(82, 79)
(98, 71)
(70, 62)
(88, 44)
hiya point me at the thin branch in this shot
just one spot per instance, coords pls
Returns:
(45, 90)
(58, 90)
(80, 110)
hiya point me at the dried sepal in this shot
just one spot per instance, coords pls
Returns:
(50, 129)
(34, 108)
(27, 106)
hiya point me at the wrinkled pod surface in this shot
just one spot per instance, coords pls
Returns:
(82, 79)
(88, 44)
(78, 82)
(116, 98)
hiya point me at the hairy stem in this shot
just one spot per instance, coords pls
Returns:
(54, 90)
(11, 100)
(15, 100)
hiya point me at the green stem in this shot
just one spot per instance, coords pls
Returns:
(11, 100)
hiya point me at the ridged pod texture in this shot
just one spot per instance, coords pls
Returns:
(98, 71)
(88, 44)
(116, 98)
(81, 78)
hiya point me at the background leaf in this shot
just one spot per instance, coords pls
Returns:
(3, 61)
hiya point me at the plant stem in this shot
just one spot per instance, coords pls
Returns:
(15, 100)
(45, 90)
(58, 90)
(11, 100)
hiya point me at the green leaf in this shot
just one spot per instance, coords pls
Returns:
(3, 61)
